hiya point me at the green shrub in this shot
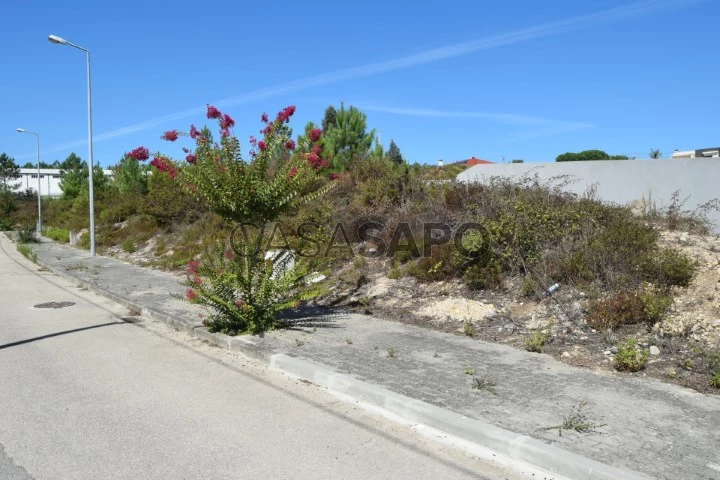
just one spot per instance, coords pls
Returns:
(656, 303)
(668, 268)
(630, 358)
(27, 234)
(621, 308)
(715, 380)
(60, 235)
(537, 340)
(484, 277)
(245, 294)
(6, 224)
(27, 252)
(128, 246)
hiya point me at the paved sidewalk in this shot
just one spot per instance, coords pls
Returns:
(649, 427)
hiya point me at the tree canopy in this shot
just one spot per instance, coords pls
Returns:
(588, 155)
(9, 171)
(346, 140)
(394, 154)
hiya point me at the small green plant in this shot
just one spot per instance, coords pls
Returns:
(469, 328)
(60, 235)
(630, 358)
(365, 303)
(128, 246)
(655, 303)
(27, 252)
(576, 421)
(671, 374)
(715, 380)
(27, 234)
(537, 340)
(348, 341)
(484, 383)
(359, 262)
(469, 371)
(391, 352)
(689, 364)
(394, 273)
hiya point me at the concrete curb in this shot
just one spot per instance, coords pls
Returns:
(520, 448)
(512, 445)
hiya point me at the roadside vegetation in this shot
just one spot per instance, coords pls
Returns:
(527, 234)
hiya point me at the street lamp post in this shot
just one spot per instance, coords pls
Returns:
(62, 41)
(37, 139)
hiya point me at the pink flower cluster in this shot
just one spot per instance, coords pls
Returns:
(194, 133)
(315, 134)
(164, 165)
(213, 112)
(290, 144)
(191, 158)
(140, 154)
(226, 122)
(316, 161)
(170, 135)
(190, 294)
(284, 115)
(193, 267)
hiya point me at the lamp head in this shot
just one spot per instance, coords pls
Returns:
(56, 39)
(21, 130)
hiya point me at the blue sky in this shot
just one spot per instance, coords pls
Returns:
(445, 80)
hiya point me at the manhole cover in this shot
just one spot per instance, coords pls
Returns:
(55, 305)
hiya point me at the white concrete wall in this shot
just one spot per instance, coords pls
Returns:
(624, 181)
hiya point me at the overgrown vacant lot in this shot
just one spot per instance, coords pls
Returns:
(646, 276)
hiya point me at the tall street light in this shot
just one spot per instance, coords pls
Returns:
(62, 41)
(37, 139)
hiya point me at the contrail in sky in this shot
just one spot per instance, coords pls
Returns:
(429, 56)
(537, 126)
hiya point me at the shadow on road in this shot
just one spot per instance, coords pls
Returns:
(50, 335)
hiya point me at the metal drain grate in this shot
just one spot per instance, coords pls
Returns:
(55, 305)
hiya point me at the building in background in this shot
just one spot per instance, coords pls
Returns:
(702, 153)
(49, 180)
(476, 161)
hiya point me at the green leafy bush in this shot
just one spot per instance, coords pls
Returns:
(27, 234)
(715, 380)
(668, 268)
(60, 235)
(630, 358)
(245, 294)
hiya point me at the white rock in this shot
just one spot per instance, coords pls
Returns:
(654, 350)
(565, 355)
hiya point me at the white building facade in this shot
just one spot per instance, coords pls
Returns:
(49, 180)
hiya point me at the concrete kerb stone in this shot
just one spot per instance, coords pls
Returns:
(517, 447)
(520, 448)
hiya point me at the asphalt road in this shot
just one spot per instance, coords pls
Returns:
(88, 392)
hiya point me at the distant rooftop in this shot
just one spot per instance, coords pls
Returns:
(701, 153)
(475, 161)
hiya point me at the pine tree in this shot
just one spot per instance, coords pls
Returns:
(394, 154)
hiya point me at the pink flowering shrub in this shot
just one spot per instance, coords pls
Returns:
(242, 289)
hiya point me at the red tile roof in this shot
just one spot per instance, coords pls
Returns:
(476, 161)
